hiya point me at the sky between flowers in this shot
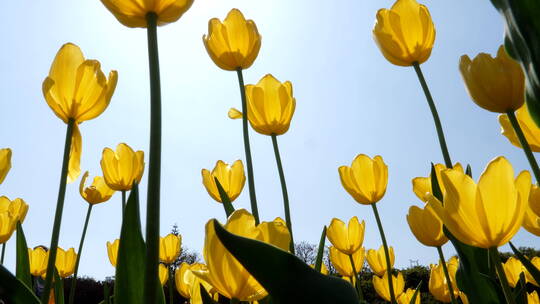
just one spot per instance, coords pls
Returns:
(350, 100)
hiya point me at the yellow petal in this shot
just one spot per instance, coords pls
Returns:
(112, 251)
(5, 163)
(132, 13)
(234, 113)
(169, 248)
(74, 166)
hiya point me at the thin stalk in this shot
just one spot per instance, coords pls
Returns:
(435, 114)
(3, 253)
(234, 301)
(154, 166)
(79, 253)
(170, 287)
(58, 214)
(447, 275)
(123, 202)
(283, 191)
(494, 253)
(524, 144)
(249, 162)
(386, 254)
(357, 280)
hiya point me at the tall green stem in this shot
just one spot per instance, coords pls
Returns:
(435, 114)
(249, 162)
(283, 191)
(123, 201)
(447, 275)
(171, 284)
(357, 280)
(154, 167)
(3, 253)
(386, 253)
(58, 214)
(494, 255)
(234, 301)
(524, 144)
(79, 253)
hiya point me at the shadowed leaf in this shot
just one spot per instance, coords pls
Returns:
(13, 290)
(23, 264)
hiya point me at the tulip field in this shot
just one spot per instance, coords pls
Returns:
(249, 255)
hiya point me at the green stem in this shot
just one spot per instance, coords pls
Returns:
(154, 167)
(171, 286)
(234, 301)
(58, 214)
(249, 162)
(3, 253)
(357, 280)
(435, 114)
(283, 191)
(79, 253)
(494, 254)
(524, 144)
(386, 253)
(447, 275)
(123, 202)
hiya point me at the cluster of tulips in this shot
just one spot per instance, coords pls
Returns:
(249, 260)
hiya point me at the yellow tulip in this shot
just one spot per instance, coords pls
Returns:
(536, 262)
(495, 84)
(405, 34)
(97, 192)
(5, 163)
(347, 239)
(234, 43)
(17, 208)
(531, 222)
(38, 259)
(366, 179)
(528, 126)
(123, 167)
(324, 269)
(534, 199)
(234, 113)
(438, 285)
(232, 179)
(65, 262)
(512, 269)
(132, 13)
(422, 185)
(342, 262)
(224, 272)
(8, 224)
(381, 285)
(532, 298)
(426, 226)
(273, 233)
(187, 283)
(377, 260)
(76, 89)
(487, 214)
(407, 295)
(163, 274)
(112, 251)
(271, 105)
(169, 248)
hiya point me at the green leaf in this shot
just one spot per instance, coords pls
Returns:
(58, 288)
(23, 264)
(13, 290)
(468, 170)
(320, 251)
(206, 298)
(415, 295)
(286, 278)
(520, 292)
(226, 201)
(535, 273)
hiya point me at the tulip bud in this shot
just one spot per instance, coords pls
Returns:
(377, 260)
(231, 178)
(382, 288)
(366, 179)
(347, 239)
(123, 167)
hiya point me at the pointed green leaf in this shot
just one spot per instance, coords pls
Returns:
(415, 295)
(23, 264)
(58, 288)
(13, 290)
(320, 251)
(226, 201)
(520, 292)
(468, 171)
(286, 278)
(535, 272)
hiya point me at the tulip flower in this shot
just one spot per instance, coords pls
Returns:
(17, 207)
(234, 43)
(532, 298)
(381, 285)
(426, 226)
(133, 13)
(347, 239)
(495, 84)
(5, 163)
(406, 297)
(97, 192)
(487, 214)
(531, 222)
(405, 34)
(513, 268)
(422, 185)
(123, 167)
(187, 283)
(224, 272)
(112, 251)
(536, 262)
(534, 199)
(231, 178)
(8, 224)
(163, 274)
(37, 259)
(438, 285)
(377, 262)
(528, 126)
(366, 179)
(169, 248)
(65, 262)
(342, 262)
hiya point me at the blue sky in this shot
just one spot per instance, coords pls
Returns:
(350, 100)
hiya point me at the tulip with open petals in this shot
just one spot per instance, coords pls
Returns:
(123, 167)
(381, 285)
(65, 262)
(438, 285)
(234, 43)
(342, 262)
(406, 297)
(377, 260)
(527, 125)
(487, 214)
(366, 179)
(232, 179)
(38, 259)
(405, 34)
(495, 84)
(188, 284)
(133, 13)
(97, 192)
(536, 262)
(422, 185)
(169, 248)
(17, 207)
(512, 269)
(112, 251)
(347, 239)
(5, 163)
(426, 226)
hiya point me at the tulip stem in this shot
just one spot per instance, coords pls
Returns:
(123, 201)
(436, 119)
(154, 166)
(170, 287)
(496, 259)
(524, 144)
(74, 279)
(386, 253)
(283, 191)
(58, 214)
(234, 301)
(357, 280)
(447, 275)
(249, 162)
(3, 253)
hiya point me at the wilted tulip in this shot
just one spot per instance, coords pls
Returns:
(5, 163)
(366, 179)
(528, 126)
(65, 262)
(347, 239)
(133, 13)
(512, 269)
(112, 251)
(169, 248)
(342, 262)
(231, 178)
(97, 192)
(377, 261)
(123, 167)
(426, 226)
(422, 185)
(381, 285)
